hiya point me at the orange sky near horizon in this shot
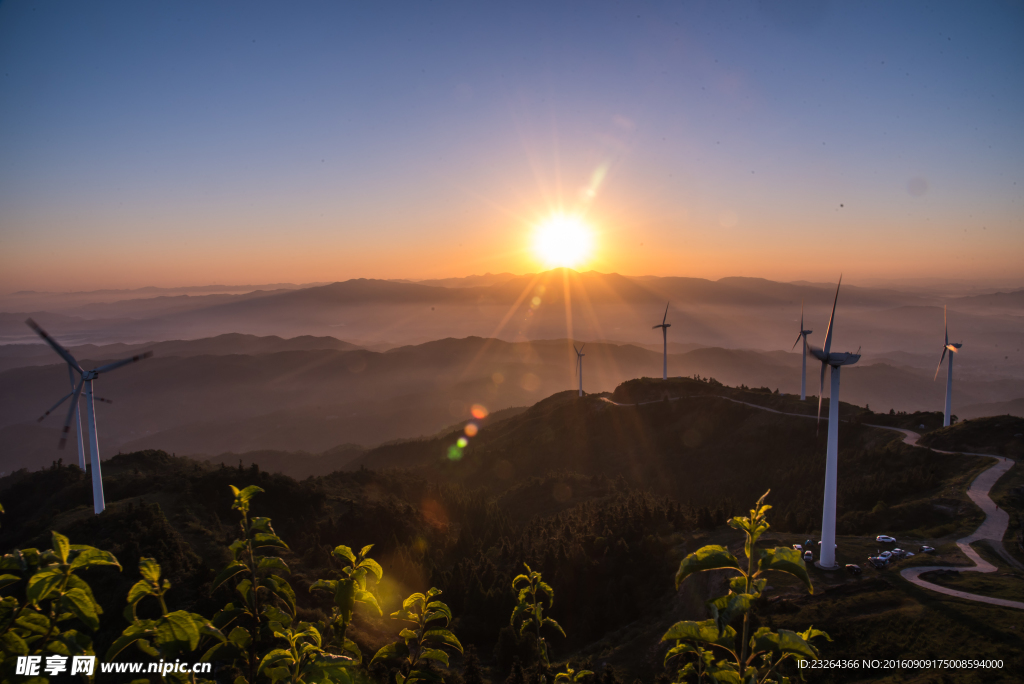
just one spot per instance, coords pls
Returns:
(790, 141)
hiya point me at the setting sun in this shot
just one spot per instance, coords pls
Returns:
(563, 240)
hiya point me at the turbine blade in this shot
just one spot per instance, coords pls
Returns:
(54, 407)
(655, 327)
(939, 367)
(71, 414)
(64, 353)
(828, 333)
(581, 348)
(123, 362)
(797, 341)
(665, 317)
(801, 316)
(945, 323)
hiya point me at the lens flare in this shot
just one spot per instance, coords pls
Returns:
(462, 442)
(471, 429)
(479, 411)
(563, 240)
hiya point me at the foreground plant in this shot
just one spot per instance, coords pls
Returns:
(266, 605)
(530, 608)
(712, 649)
(57, 605)
(171, 636)
(348, 591)
(422, 645)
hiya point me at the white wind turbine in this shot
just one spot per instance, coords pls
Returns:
(85, 382)
(827, 557)
(952, 349)
(664, 336)
(579, 364)
(803, 369)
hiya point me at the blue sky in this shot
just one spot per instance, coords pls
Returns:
(188, 143)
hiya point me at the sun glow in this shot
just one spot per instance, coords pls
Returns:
(563, 240)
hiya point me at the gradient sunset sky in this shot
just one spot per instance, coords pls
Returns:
(187, 143)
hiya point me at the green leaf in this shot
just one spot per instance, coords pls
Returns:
(368, 599)
(413, 600)
(13, 644)
(61, 546)
(373, 566)
(707, 558)
(549, 621)
(285, 591)
(784, 641)
(278, 655)
(811, 633)
(149, 569)
(33, 622)
(6, 580)
(89, 557)
(243, 497)
(783, 559)
(262, 540)
(240, 637)
(139, 590)
(434, 654)
(261, 524)
(442, 636)
(229, 571)
(134, 632)
(324, 585)
(393, 651)
(43, 583)
(82, 605)
(738, 585)
(178, 628)
(344, 552)
(701, 632)
(725, 608)
(273, 562)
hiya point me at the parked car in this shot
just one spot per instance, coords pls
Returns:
(878, 563)
(853, 569)
(898, 553)
(886, 555)
(927, 549)
(798, 547)
(808, 557)
(885, 538)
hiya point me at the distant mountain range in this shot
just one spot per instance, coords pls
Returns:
(750, 313)
(238, 393)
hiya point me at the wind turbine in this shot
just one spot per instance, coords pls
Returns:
(952, 348)
(579, 364)
(664, 336)
(85, 382)
(803, 369)
(836, 360)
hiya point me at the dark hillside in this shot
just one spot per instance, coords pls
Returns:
(997, 435)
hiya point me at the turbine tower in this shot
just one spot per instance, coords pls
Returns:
(803, 369)
(827, 557)
(579, 364)
(85, 382)
(952, 349)
(664, 336)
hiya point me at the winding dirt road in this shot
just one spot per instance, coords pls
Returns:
(992, 528)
